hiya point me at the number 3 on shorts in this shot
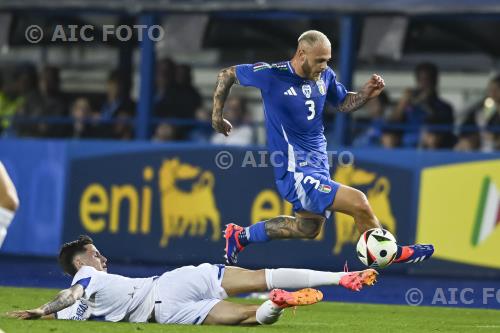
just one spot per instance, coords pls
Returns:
(310, 104)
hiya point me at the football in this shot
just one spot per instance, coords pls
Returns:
(377, 248)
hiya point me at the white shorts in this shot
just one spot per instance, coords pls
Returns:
(187, 294)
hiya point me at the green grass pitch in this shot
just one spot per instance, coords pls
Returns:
(322, 317)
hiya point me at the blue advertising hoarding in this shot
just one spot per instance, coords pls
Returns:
(160, 203)
(170, 205)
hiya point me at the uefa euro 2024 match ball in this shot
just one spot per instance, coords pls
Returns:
(377, 248)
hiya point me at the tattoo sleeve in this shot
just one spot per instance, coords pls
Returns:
(225, 80)
(64, 299)
(352, 102)
(286, 227)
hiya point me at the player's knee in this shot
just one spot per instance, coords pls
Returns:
(362, 206)
(312, 234)
(310, 227)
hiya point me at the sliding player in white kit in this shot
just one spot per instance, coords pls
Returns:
(8, 202)
(188, 295)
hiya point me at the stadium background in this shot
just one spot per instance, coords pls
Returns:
(153, 197)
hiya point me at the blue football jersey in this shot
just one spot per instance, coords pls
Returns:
(293, 108)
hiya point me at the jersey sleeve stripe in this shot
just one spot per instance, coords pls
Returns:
(83, 282)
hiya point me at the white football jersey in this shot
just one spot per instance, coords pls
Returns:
(115, 297)
(81, 310)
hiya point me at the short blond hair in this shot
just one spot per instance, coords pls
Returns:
(311, 37)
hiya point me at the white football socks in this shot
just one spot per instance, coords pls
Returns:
(291, 278)
(268, 313)
(6, 217)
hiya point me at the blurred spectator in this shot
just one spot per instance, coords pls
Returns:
(391, 135)
(117, 106)
(122, 128)
(422, 106)
(10, 98)
(164, 132)
(165, 79)
(481, 128)
(377, 111)
(85, 120)
(204, 131)
(43, 99)
(236, 113)
(490, 135)
(179, 101)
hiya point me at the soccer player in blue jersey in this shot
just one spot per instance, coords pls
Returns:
(294, 93)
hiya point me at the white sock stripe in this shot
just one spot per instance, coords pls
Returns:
(291, 278)
(269, 278)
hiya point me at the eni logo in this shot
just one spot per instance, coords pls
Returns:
(182, 211)
(378, 196)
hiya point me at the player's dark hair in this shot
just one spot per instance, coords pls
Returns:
(70, 250)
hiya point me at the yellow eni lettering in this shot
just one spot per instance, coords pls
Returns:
(94, 201)
(268, 204)
(147, 175)
(118, 195)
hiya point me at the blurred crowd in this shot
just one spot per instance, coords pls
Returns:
(422, 119)
(32, 104)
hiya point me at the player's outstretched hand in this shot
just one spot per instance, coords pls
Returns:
(222, 125)
(26, 314)
(374, 86)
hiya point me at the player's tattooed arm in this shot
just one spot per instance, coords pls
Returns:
(225, 80)
(371, 89)
(65, 298)
(286, 227)
(353, 101)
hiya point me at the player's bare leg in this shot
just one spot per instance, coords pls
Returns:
(303, 225)
(353, 202)
(238, 280)
(269, 312)
(9, 202)
(229, 313)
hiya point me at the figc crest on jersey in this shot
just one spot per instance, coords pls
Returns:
(321, 86)
(306, 90)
